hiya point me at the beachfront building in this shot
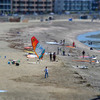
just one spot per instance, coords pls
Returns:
(73, 5)
(32, 6)
(5, 6)
(96, 5)
(59, 6)
(26, 6)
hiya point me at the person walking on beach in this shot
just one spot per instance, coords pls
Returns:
(50, 56)
(54, 56)
(46, 72)
(83, 53)
(63, 52)
(64, 42)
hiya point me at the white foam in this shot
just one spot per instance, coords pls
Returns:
(3, 90)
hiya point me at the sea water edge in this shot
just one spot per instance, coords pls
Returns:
(89, 39)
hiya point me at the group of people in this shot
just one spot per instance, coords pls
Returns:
(53, 56)
(62, 42)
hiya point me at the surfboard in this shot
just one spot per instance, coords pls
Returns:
(28, 51)
(83, 60)
(31, 56)
(84, 56)
(70, 46)
(53, 43)
(27, 47)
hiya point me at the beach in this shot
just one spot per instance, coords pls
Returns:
(27, 82)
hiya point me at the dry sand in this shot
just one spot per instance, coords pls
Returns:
(27, 82)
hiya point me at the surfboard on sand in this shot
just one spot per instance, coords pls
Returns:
(29, 51)
(83, 60)
(27, 47)
(31, 56)
(53, 43)
(84, 56)
(70, 46)
(81, 67)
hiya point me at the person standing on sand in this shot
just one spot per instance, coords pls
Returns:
(57, 50)
(83, 53)
(73, 44)
(50, 56)
(54, 56)
(46, 72)
(64, 42)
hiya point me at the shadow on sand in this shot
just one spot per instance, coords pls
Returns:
(96, 98)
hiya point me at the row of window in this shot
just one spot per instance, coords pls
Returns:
(23, 2)
(78, 4)
(77, 8)
(33, 11)
(2, 7)
(5, 7)
(5, 1)
(32, 7)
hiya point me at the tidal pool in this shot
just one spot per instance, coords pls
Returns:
(91, 39)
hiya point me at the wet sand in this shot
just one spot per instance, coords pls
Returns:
(27, 82)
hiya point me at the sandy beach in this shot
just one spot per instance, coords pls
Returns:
(27, 82)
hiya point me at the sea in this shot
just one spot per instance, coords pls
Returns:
(91, 39)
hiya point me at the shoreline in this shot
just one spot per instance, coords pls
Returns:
(87, 38)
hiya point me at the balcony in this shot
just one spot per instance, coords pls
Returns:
(16, 5)
(32, 9)
(15, 9)
(30, 4)
(23, 9)
(5, 4)
(24, 0)
(23, 4)
(15, 0)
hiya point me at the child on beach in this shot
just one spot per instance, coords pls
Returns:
(46, 72)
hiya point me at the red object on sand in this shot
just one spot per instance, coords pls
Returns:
(73, 44)
(27, 47)
(70, 46)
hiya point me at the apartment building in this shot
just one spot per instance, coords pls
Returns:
(96, 5)
(47, 6)
(73, 5)
(26, 6)
(5, 5)
(31, 6)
